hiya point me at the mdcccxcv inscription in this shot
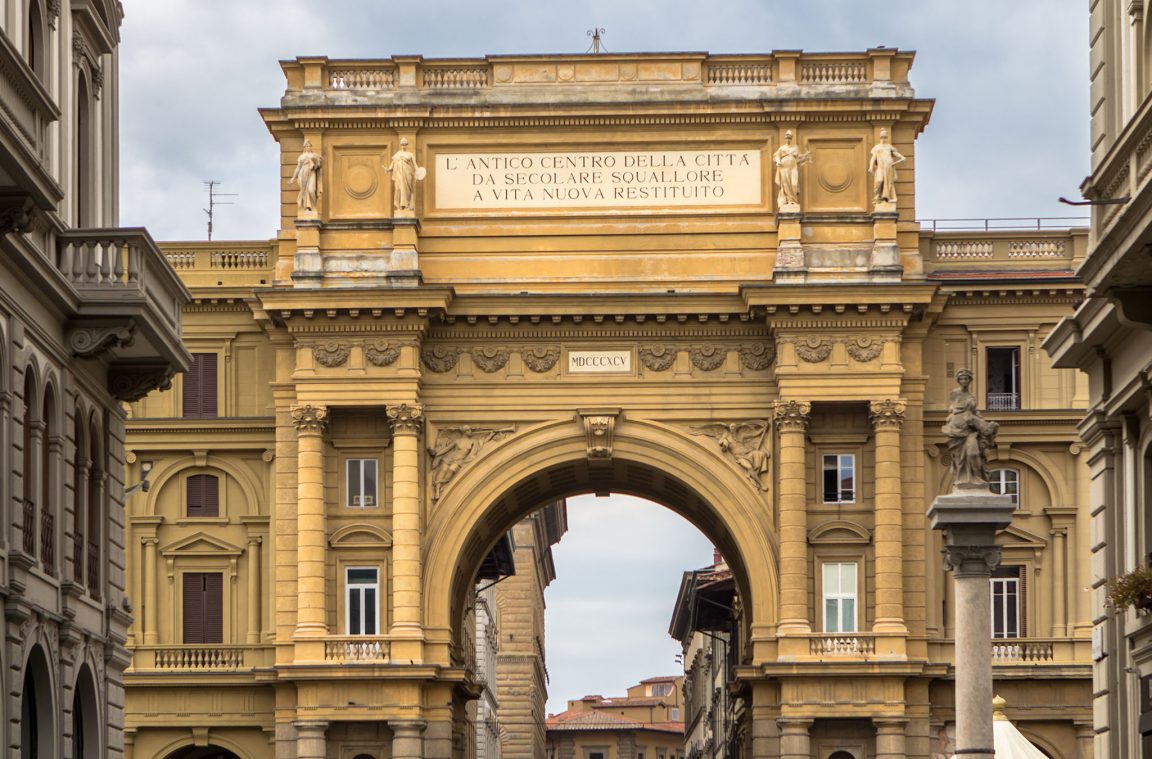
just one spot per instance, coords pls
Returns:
(611, 179)
(599, 362)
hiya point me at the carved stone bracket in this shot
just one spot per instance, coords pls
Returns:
(92, 340)
(331, 354)
(599, 427)
(792, 415)
(131, 381)
(541, 358)
(310, 420)
(972, 561)
(406, 418)
(657, 358)
(17, 213)
(706, 358)
(813, 349)
(887, 414)
(381, 353)
(489, 359)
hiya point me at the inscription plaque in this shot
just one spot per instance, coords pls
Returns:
(608, 179)
(599, 362)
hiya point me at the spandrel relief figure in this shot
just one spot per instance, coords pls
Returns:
(405, 174)
(787, 159)
(882, 167)
(455, 447)
(970, 437)
(744, 442)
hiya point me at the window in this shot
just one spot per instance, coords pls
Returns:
(1007, 588)
(203, 607)
(660, 689)
(200, 387)
(361, 481)
(1003, 379)
(839, 478)
(840, 597)
(203, 496)
(361, 607)
(1006, 482)
(675, 714)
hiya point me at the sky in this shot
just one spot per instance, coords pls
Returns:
(1008, 136)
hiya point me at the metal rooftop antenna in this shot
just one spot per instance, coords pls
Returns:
(213, 202)
(596, 35)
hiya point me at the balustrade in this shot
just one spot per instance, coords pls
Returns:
(29, 527)
(48, 540)
(356, 648)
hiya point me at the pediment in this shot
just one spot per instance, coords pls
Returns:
(1015, 537)
(201, 544)
(360, 536)
(840, 532)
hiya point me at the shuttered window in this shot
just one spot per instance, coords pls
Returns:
(200, 387)
(203, 496)
(203, 607)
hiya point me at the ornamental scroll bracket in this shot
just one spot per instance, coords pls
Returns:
(599, 428)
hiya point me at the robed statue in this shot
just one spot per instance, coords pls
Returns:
(969, 436)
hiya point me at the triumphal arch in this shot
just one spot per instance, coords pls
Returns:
(499, 282)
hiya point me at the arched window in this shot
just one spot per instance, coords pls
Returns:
(95, 507)
(36, 47)
(28, 474)
(47, 483)
(85, 191)
(1006, 482)
(79, 496)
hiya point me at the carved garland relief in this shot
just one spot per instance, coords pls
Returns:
(331, 354)
(657, 358)
(815, 350)
(381, 353)
(543, 358)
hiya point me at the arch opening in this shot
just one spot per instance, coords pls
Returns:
(202, 752)
(37, 731)
(85, 716)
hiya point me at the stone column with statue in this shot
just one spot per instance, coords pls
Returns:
(969, 515)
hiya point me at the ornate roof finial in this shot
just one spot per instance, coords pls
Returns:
(596, 35)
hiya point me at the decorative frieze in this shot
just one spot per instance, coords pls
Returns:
(746, 444)
(381, 353)
(331, 354)
(541, 358)
(864, 348)
(757, 356)
(489, 359)
(657, 358)
(440, 359)
(813, 349)
(707, 357)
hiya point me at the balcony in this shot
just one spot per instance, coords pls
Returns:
(28, 526)
(356, 648)
(1003, 401)
(844, 645)
(1018, 655)
(48, 540)
(127, 306)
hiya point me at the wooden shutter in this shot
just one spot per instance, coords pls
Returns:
(203, 496)
(203, 607)
(200, 387)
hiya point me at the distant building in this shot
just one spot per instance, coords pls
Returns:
(89, 317)
(705, 622)
(645, 724)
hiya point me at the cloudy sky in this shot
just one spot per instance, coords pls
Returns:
(1008, 136)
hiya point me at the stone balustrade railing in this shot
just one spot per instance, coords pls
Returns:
(231, 258)
(200, 658)
(1014, 652)
(845, 644)
(884, 67)
(356, 648)
(996, 248)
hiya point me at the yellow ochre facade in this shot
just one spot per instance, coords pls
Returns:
(500, 282)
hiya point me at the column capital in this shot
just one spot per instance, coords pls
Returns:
(972, 561)
(310, 724)
(888, 413)
(792, 415)
(794, 724)
(408, 727)
(310, 420)
(406, 418)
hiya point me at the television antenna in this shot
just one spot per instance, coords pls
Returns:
(213, 201)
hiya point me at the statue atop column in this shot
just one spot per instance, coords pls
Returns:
(787, 159)
(405, 173)
(969, 437)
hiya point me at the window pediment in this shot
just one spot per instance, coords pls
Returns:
(360, 536)
(201, 544)
(840, 532)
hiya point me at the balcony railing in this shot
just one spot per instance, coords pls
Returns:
(78, 558)
(1023, 651)
(1003, 401)
(201, 658)
(842, 645)
(29, 527)
(356, 648)
(94, 570)
(48, 540)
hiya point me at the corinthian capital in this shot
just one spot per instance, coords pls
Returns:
(792, 415)
(310, 420)
(888, 413)
(406, 418)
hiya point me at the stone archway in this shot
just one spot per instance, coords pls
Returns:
(551, 462)
(86, 740)
(37, 709)
(202, 752)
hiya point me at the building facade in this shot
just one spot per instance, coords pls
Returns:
(500, 282)
(644, 724)
(1109, 338)
(89, 318)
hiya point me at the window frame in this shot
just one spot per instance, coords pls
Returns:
(1018, 581)
(839, 596)
(188, 487)
(1016, 400)
(202, 572)
(349, 587)
(998, 482)
(349, 495)
(192, 406)
(840, 459)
